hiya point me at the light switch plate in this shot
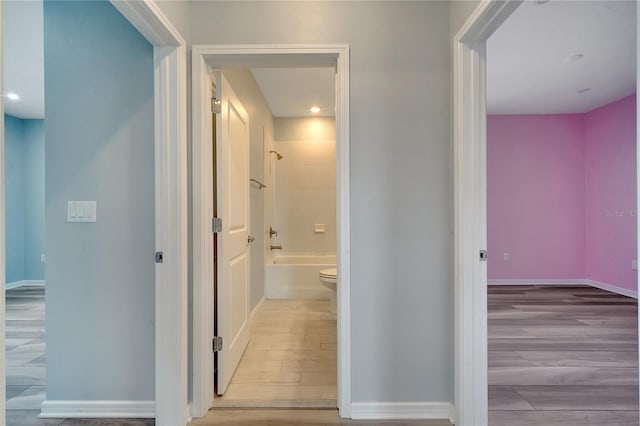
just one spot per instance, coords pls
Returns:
(81, 211)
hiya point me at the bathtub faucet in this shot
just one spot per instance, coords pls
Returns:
(276, 247)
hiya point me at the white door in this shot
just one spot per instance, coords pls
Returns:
(232, 168)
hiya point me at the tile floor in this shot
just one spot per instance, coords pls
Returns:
(562, 356)
(291, 358)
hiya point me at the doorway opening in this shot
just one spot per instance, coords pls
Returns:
(24, 201)
(470, 150)
(242, 60)
(284, 349)
(561, 196)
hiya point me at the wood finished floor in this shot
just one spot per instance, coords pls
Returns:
(25, 348)
(300, 417)
(557, 356)
(291, 358)
(562, 356)
(25, 351)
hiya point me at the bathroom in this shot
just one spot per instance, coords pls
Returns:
(290, 360)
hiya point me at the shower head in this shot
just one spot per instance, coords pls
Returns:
(278, 155)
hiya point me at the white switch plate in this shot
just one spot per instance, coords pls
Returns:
(81, 211)
(634, 264)
(43, 258)
(507, 257)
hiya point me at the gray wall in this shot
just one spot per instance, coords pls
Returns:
(401, 217)
(100, 276)
(260, 121)
(177, 11)
(459, 12)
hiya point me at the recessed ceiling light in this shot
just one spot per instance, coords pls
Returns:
(585, 90)
(574, 58)
(314, 109)
(541, 1)
(13, 96)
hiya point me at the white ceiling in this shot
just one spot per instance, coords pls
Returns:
(22, 29)
(290, 92)
(527, 69)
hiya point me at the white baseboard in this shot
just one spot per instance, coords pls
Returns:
(16, 284)
(576, 281)
(97, 409)
(312, 293)
(564, 281)
(255, 310)
(402, 410)
(613, 289)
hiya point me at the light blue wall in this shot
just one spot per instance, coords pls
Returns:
(24, 150)
(14, 197)
(100, 133)
(33, 172)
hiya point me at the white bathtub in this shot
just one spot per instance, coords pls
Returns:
(296, 277)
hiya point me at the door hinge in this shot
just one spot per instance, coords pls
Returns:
(216, 106)
(216, 224)
(159, 257)
(217, 344)
(483, 255)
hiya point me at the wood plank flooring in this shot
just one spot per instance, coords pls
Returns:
(291, 358)
(25, 348)
(301, 417)
(25, 351)
(562, 356)
(557, 356)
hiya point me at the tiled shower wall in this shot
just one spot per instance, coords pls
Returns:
(305, 185)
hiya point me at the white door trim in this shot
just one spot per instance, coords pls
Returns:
(470, 212)
(221, 56)
(170, 153)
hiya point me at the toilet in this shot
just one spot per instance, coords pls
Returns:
(328, 278)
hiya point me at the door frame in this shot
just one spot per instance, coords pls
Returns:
(205, 57)
(470, 209)
(170, 157)
(170, 165)
(470, 195)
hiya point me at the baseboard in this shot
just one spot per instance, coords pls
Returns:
(97, 409)
(576, 281)
(402, 411)
(255, 310)
(613, 289)
(16, 284)
(564, 281)
(313, 293)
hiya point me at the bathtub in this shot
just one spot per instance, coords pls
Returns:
(296, 277)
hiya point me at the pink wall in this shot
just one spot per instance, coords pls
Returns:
(610, 177)
(535, 196)
(562, 194)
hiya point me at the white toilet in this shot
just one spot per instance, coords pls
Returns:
(328, 278)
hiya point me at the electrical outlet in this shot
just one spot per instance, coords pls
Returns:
(506, 257)
(634, 264)
(43, 258)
